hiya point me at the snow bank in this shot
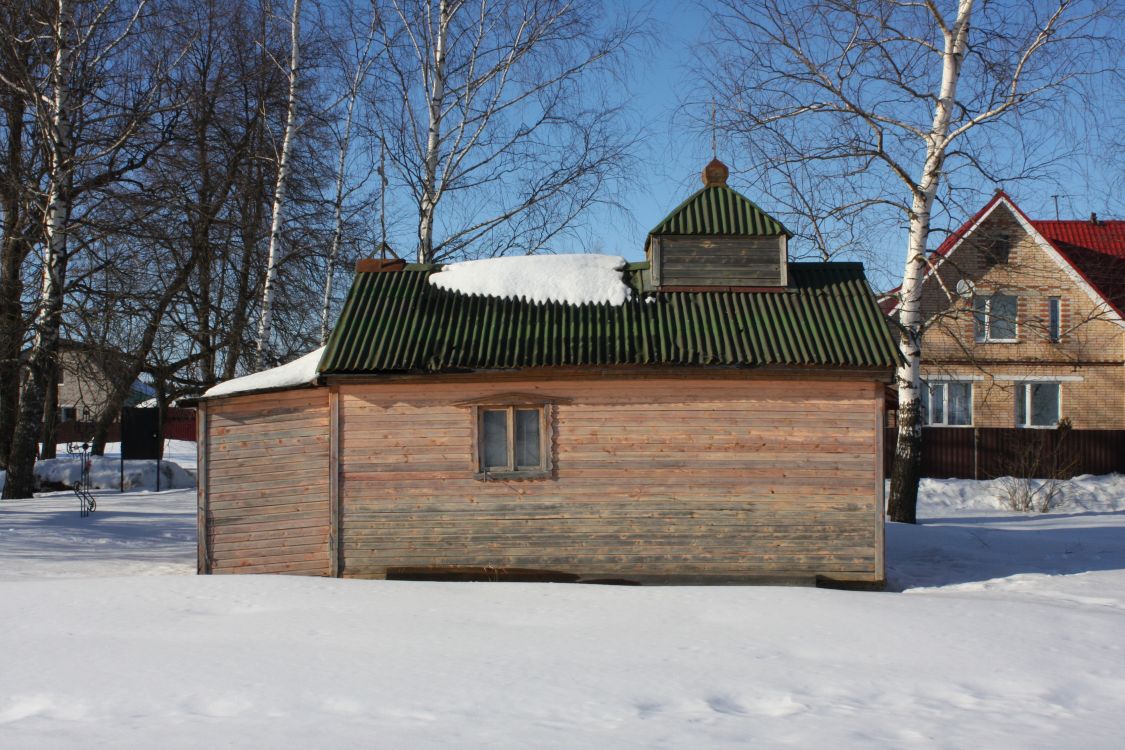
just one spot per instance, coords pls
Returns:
(940, 497)
(105, 474)
(301, 371)
(182, 452)
(570, 279)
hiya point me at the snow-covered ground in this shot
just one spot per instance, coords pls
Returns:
(1004, 631)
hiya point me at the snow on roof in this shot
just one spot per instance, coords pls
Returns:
(569, 279)
(301, 371)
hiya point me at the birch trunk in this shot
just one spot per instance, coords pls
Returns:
(430, 192)
(908, 449)
(265, 323)
(44, 350)
(338, 212)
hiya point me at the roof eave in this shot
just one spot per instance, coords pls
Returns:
(884, 373)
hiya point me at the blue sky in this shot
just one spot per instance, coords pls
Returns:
(672, 156)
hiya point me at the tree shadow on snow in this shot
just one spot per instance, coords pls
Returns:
(954, 550)
(33, 533)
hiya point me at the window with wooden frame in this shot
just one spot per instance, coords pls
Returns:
(512, 436)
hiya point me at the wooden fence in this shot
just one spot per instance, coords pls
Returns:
(179, 424)
(988, 452)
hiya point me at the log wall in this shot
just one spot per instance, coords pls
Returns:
(719, 261)
(712, 479)
(263, 483)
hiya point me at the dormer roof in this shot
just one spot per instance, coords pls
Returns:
(719, 211)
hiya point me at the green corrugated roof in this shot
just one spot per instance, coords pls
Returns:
(395, 321)
(718, 210)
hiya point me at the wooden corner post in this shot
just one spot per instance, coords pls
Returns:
(203, 548)
(334, 567)
(880, 481)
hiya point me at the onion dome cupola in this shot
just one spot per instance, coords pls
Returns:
(718, 238)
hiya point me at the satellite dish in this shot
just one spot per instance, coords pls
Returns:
(965, 288)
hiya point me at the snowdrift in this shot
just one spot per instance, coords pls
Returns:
(105, 474)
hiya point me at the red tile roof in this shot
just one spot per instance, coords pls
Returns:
(1097, 252)
(1107, 237)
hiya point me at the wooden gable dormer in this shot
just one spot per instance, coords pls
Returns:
(718, 238)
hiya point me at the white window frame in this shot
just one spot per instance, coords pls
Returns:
(945, 383)
(987, 337)
(1023, 391)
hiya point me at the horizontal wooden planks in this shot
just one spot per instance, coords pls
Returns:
(268, 483)
(669, 477)
(703, 261)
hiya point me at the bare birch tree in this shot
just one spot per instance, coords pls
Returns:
(484, 112)
(354, 56)
(265, 320)
(90, 113)
(891, 97)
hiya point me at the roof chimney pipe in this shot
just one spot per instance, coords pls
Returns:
(1094, 219)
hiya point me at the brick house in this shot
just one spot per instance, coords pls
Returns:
(1025, 323)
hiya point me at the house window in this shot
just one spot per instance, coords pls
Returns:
(994, 317)
(947, 404)
(1037, 404)
(512, 441)
(1054, 318)
(67, 413)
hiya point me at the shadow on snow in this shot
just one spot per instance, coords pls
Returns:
(968, 549)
